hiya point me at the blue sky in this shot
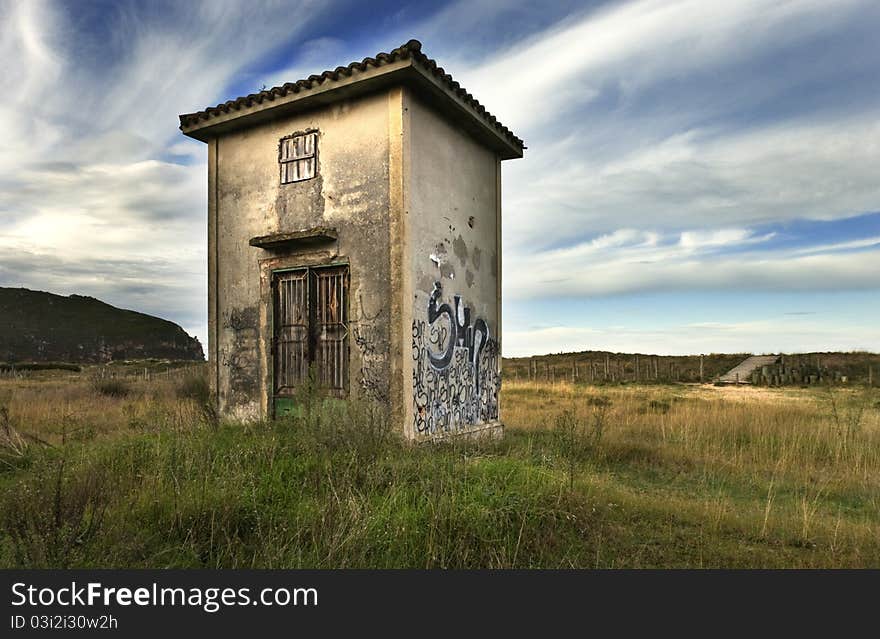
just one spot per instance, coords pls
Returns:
(700, 177)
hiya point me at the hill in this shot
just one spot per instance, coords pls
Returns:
(36, 326)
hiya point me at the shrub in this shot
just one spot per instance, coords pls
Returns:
(51, 517)
(194, 387)
(13, 446)
(577, 439)
(112, 387)
(41, 366)
(659, 406)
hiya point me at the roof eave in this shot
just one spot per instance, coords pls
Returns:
(404, 71)
(299, 99)
(441, 97)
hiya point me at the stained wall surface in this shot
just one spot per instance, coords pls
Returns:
(452, 308)
(246, 199)
(416, 206)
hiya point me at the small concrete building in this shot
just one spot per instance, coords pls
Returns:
(354, 229)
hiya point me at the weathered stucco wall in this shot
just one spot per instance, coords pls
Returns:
(246, 199)
(453, 288)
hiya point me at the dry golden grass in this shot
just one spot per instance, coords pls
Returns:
(55, 405)
(586, 476)
(781, 465)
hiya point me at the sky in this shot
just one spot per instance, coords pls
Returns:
(700, 176)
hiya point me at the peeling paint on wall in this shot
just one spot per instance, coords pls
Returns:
(439, 256)
(447, 271)
(456, 378)
(459, 247)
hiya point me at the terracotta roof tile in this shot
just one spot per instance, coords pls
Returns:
(412, 49)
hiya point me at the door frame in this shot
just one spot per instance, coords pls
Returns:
(271, 273)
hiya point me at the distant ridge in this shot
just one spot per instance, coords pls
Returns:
(609, 366)
(36, 326)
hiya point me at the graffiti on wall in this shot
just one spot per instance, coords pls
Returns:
(456, 376)
(373, 359)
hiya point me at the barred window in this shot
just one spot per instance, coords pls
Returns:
(298, 157)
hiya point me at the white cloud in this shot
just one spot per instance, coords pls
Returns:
(839, 246)
(636, 116)
(797, 334)
(651, 153)
(638, 44)
(92, 200)
(783, 172)
(639, 269)
(699, 239)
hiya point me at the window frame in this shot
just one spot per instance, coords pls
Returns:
(283, 163)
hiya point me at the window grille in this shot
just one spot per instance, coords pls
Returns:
(291, 330)
(331, 328)
(311, 329)
(298, 157)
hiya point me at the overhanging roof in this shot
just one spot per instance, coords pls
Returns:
(404, 65)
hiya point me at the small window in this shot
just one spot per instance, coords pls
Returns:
(298, 157)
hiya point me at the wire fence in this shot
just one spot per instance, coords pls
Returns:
(108, 371)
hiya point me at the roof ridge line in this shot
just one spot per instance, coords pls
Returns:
(410, 49)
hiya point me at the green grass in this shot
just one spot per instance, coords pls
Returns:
(629, 477)
(282, 494)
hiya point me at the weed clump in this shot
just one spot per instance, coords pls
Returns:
(194, 387)
(51, 519)
(13, 447)
(112, 387)
(660, 406)
(578, 439)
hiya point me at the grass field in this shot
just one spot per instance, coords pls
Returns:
(140, 473)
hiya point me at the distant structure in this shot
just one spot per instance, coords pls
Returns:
(354, 229)
(780, 370)
(743, 372)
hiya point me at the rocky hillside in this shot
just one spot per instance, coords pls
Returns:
(39, 327)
